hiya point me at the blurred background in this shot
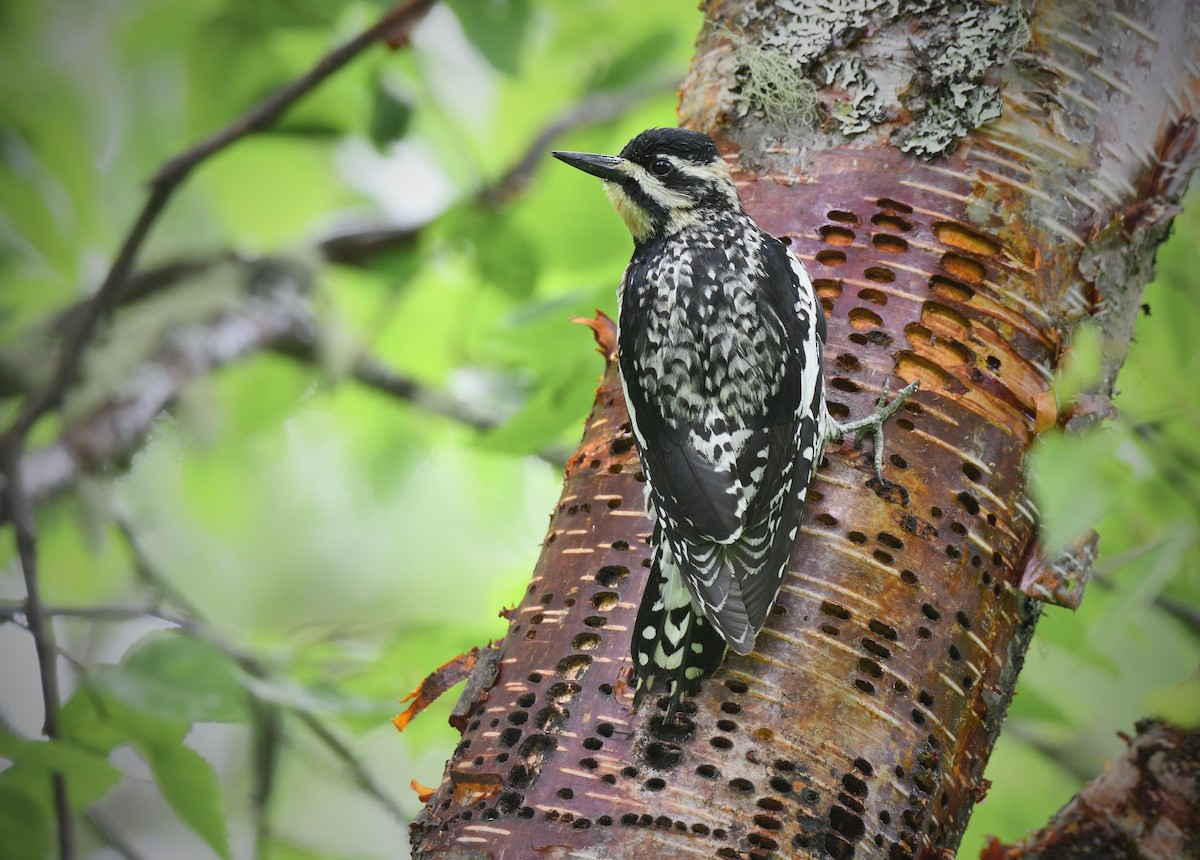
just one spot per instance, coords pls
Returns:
(315, 527)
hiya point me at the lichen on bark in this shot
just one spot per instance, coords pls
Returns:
(851, 47)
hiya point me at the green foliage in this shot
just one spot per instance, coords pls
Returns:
(326, 544)
(1124, 655)
(174, 677)
(22, 825)
(33, 761)
(189, 785)
(497, 28)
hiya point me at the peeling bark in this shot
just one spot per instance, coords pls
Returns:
(861, 724)
(1145, 806)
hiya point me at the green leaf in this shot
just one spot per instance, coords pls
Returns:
(501, 251)
(1081, 365)
(391, 111)
(23, 826)
(89, 776)
(557, 403)
(86, 719)
(230, 67)
(507, 258)
(186, 780)
(176, 677)
(189, 784)
(497, 28)
(1074, 484)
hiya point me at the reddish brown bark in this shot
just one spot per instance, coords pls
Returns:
(1145, 806)
(861, 724)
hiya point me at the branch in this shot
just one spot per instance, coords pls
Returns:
(113, 431)
(1145, 804)
(16, 502)
(194, 625)
(360, 246)
(1185, 613)
(352, 763)
(277, 319)
(198, 626)
(394, 26)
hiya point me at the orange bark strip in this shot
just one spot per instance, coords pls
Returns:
(435, 684)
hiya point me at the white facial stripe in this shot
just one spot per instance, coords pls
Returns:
(715, 174)
(677, 204)
(655, 190)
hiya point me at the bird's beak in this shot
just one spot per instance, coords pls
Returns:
(604, 166)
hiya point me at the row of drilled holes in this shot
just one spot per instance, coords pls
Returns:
(569, 669)
(863, 319)
(608, 580)
(962, 270)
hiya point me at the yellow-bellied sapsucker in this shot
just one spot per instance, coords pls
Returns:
(719, 342)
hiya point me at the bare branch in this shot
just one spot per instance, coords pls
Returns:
(359, 246)
(1145, 804)
(112, 432)
(362, 777)
(393, 26)
(268, 741)
(602, 107)
(257, 669)
(277, 318)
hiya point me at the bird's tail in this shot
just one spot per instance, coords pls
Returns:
(674, 646)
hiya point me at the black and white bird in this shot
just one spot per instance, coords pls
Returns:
(719, 341)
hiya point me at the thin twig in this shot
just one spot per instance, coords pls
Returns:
(281, 322)
(199, 627)
(268, 740)
(359, 246)
(10, 609)
(1185, 613)
(41, 628)
(601, 107)
(394, 26)
(362, 777)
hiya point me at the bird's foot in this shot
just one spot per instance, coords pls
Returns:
(873, 424)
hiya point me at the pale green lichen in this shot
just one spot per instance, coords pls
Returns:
(863, 109)
(772, 82)
(956, 43)
(808, 30)
(954, 55)
(943, 123)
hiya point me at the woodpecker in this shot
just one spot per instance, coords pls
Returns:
(719, 349)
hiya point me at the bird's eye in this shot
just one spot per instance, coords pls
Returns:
(661, 167)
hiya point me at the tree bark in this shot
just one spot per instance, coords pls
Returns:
(1145, 806)
(982, 178)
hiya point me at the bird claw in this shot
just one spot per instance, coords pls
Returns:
(873, 424)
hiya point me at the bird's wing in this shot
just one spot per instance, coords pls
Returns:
(724, 488)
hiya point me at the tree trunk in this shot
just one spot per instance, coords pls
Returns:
(949, 246)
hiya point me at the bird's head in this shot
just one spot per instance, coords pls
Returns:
(663, 180)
